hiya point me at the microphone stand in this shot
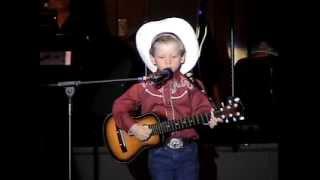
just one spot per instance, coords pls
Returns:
(69, 87)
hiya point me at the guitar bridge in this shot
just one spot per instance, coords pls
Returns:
(122, 142)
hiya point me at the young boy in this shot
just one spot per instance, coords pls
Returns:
(169, 43)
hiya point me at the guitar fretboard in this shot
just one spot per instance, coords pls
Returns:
(175, 125)
(188, 122)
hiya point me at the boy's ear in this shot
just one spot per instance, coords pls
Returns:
(182, 59)
(153, 60)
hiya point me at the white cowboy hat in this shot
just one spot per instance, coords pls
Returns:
(179, 27)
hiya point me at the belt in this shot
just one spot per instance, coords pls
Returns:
(177, 143)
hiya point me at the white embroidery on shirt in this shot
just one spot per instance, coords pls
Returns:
(178, 97)
(152, 94)
(181, 84)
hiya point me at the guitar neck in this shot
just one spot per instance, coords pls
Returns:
(184, 123)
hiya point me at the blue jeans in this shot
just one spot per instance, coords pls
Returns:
(174, 164)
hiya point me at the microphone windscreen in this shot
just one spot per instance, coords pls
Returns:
(162, 76)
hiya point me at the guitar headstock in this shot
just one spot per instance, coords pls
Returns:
(230, 111)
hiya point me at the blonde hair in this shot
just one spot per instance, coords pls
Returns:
(165, 38)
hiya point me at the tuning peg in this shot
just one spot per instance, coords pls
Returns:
(222, 104)
(227, 121)
(228, 107)
(235, 105)
(234, 119)
(236, 99)
(241, 118)
(237, 113)
(223, 116)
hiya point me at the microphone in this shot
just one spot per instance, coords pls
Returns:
(160, 77)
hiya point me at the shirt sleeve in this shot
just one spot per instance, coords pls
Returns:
(200, 101)
(124, 105)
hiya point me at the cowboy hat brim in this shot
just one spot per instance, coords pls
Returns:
(179, 27)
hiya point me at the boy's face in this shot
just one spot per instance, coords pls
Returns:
(167, 55)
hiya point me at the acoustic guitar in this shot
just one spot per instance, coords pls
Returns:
(125, 147)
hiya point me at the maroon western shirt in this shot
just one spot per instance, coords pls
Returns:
(176, 99)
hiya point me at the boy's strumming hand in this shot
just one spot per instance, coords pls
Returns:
(140, 132)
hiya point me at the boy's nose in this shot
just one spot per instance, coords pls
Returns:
(168, 60)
